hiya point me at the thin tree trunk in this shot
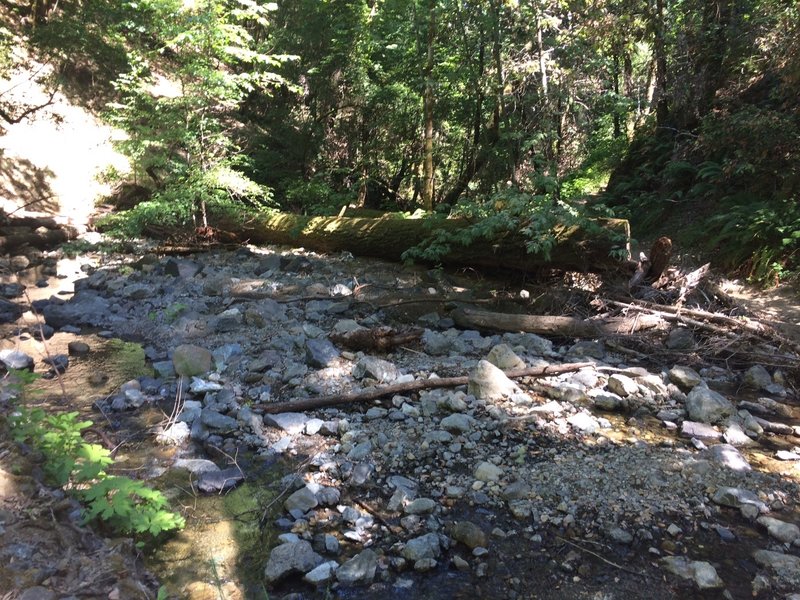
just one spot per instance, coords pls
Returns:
(428, 101)
(660, 52)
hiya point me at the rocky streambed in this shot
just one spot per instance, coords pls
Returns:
(595, 483)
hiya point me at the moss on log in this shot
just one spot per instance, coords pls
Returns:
(388, 238)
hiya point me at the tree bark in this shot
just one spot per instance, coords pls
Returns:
(550, 325)
(427, 100)
(387, 238)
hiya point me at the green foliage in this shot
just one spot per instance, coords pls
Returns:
(315, 198)
(183, 128)
(536, 218)
(128, 506)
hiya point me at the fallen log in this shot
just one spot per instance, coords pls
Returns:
(469, 318)
(374, 393)
(575, 249)
(42, 240)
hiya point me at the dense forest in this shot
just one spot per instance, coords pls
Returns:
(679, 115)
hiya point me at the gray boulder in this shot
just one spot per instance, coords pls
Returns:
(358, 570)
(425, 546)
(487, 382)
(85, 308)
(707, 406)
(14, 359)
(287, 559)
(189, 360)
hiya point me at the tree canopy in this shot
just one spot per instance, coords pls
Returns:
(513, 113)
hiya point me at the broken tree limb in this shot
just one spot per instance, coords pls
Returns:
(690, 317)
(552, 325)
(411, 386)
(575, 249)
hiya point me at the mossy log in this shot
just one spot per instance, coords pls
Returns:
(387, 238)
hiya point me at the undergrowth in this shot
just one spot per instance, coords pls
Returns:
(127, 506)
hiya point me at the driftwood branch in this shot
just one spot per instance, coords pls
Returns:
(553, 325)
(710, 322)
(412, 386)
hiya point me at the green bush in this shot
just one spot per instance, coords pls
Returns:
(126, 505)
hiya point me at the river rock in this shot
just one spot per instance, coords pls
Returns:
(728, 456)
(303, 500)
(622, 385)
(584, 422)
(216, 420)
(195, 465)
(680, 338)
(702, 573)
(290, 422)
(607, 401)
(9, 311)
(189, 360)
(786, 566)
(780, 530)
(707, 406)
(420, 506)
(212, 482)
(15, 359)
(11, 290)
(757, 377)
(85, 308)
(321, 574)
(287, 559)
(425, 546)
(456, 423)
(469, 534)
(486, 471)
(320, 353)
(487, 382)
(737, 498)
(358, 570)
(174, 435)
(78, 348)
(376, 368)
(735, 436)
(700, 431)
(685, 378)
(503, 357)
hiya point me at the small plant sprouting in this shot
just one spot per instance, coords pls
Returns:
(126, 505)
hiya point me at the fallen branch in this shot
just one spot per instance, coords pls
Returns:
(552, 325)
(691, 316)
(411, 386)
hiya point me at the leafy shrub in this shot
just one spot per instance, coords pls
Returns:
(509, 213)
(126, 505)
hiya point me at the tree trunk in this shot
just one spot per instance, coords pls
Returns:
(387, 238)
(427, 176)
(660, 55)
(552, 325)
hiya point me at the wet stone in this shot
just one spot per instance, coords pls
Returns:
(358, 570)
(15, 359)
(286, 559)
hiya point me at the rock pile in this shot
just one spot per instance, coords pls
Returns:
(640, 461)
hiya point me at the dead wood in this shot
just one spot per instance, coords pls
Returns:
(412, 386)
(575, 249)
(377, 339)
(650, 269)
(552, 325)
(713, 322)
(38, 239)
